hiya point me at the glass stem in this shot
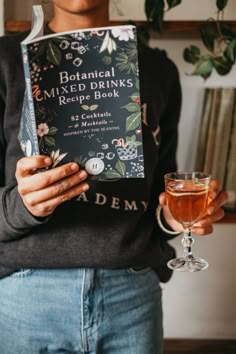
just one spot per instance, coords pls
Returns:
(187, 242)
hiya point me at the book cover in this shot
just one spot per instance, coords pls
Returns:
(82, 99)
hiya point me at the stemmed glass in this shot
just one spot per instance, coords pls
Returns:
(187, 195)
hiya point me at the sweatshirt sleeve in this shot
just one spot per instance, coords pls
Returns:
(169, 129)
(15, 219)
(169, 122)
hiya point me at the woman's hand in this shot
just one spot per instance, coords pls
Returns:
(42, 192)
(214, 212)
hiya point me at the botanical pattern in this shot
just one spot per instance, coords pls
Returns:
(107, 129)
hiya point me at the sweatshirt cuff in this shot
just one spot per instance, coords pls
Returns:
(16, 219)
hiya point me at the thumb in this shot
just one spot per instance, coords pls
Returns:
(162, 199)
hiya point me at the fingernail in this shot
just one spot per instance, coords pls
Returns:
(85, 187)
(213, 194)
(83, 174)
(74, 167)
(47, 161)
(198, 224)
(210, 210)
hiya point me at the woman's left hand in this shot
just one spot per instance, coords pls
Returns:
(214, 212)
(217, 198)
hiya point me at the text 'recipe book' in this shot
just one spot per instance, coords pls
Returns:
(82, 100)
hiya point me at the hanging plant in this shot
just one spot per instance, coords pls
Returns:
(218, 39)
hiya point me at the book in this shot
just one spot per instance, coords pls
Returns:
(230, 179)
(203, 131)
(223, 132)
(211, 136)
(82, 100)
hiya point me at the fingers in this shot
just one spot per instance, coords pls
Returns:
(214, 211)
(209, 219)
(162, 199)
(216, 203)
(26, 165)
(64, 187)
(46, 178)
(42, 192)
(202, 231)
(47, 207)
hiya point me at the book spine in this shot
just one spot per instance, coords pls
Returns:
(29, 96)
(212, 130)
(223, 132)
(230, 180)
(204, 130)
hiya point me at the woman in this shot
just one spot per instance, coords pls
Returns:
(83, 276)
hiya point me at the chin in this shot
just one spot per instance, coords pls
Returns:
(80, 6)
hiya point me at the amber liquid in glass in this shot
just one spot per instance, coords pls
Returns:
(187, 201)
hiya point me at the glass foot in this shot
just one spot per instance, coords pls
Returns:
(187, 264)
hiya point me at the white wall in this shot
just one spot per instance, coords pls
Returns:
(1, 18)
(200, 305)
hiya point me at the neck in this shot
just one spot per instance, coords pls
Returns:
(66, 21)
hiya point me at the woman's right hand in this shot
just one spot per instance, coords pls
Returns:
(42, 192)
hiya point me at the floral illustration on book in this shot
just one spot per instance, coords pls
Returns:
(54, 49)
(98, 108)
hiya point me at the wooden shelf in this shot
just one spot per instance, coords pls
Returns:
(171, 29)
(196, 346)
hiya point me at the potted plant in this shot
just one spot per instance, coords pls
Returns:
(218, 39)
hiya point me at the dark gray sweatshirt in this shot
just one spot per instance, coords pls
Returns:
(113, 225)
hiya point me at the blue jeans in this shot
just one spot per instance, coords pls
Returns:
(81, 311)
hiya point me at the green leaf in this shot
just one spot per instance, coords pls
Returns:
(137, 143)
(154, 10)
(204, 68)
(227, 32)
(221, 4)
(191, 54)
(130, 139)
(132, 107)
(133, 121)
(42, 48)
(120, 167)
(209, 35)
(53, 53)
(173, 3)
(107, 60)
(230, 51)
(49, 141)
(222, 65)
(149, 5)
(52, 131)
(135, 95)
(112, 174)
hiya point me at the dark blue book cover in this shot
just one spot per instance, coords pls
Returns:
(83, 101)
